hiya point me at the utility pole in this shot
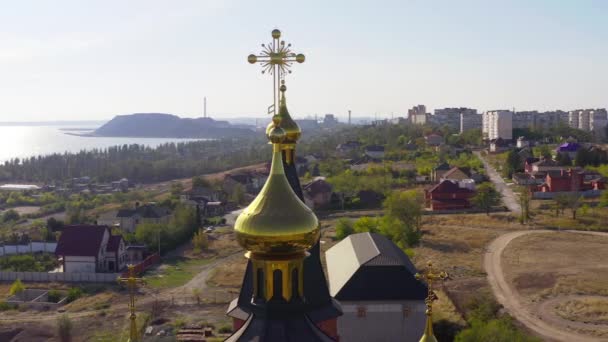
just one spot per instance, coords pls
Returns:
(349, 123)
(205, 106)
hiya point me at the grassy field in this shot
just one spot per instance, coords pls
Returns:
(592, 310)
(174, 272)
(548, 265)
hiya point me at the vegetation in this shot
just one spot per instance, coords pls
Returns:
(344, 228)
(29, 262)
(525, 196)
(179, 230)
(486, 197)
(513, 163)
(64, 328)
(16, 288)
(486, 324)
(200, 241)
(176, 272)
(570, 201)
(74, 293)
(585, 157)
(54, 296)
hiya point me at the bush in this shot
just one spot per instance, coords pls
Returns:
(54, 296)
(74, 293)
(344, 228)
(17, 287)
(225, 329)
(64, 328)
(496, 330)
(4, 306)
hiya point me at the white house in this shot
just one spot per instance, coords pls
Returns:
(375, 283)
(90, 249)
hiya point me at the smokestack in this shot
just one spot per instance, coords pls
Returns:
(205, 106)
(349, 117)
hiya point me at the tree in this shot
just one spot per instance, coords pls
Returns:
(402, 221)
(344, 184)
(544, 151)
(344, 228)
(563, 159)
(512, 163)
(64, 328)
(573, 202)
(561, 203)
(54, 225)
(604, 199)
(238, 193)
(17, 287)
(200, 240)
(524, 203)
(199, 182)
(486, 197)
(176, 189)
(366, 224)
(10, 215)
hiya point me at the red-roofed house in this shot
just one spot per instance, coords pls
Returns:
(447, 195)
(90, 249)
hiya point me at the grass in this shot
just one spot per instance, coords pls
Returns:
(175, 272)
(555, 264)
(589, 310)
(229, 274)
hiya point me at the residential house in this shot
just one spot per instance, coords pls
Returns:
(545, 165)
(456, 174)
(528, 164)
(522, 142)
(251, 181)
(434, 139)
(448, 195)
(375, 283)
(90, 249)
(439, 171)
(374, 151)
(317, 193)
(347, 148)
(570, 180)
(147, 213)
(569, 148)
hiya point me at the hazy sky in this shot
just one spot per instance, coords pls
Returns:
(89, 60)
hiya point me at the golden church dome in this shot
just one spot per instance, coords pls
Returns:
(277, 222)
(291, 128)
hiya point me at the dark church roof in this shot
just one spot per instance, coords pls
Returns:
(295, 329)
(368, 266)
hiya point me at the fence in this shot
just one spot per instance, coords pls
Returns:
(32, 247)
(145, 264)
(60, 277)
(550, 195)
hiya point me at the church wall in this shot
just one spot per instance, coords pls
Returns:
(381, 321)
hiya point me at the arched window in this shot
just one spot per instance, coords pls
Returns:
(294, 283)
(260, 294)
(277, 280)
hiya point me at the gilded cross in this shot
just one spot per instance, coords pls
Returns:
(276, 58)
(132, 282)
(429, 275)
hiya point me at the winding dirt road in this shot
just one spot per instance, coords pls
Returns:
(511, 300)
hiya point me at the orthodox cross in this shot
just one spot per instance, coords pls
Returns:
(132, 282)
(429, 275)
(276, 58)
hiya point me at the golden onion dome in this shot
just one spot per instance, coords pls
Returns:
(277, 222)
(291, 128)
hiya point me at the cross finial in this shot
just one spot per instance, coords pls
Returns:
(132, 282)
(276, 58)
(429, 275)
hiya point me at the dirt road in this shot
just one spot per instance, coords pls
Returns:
(511, 300)
(508, 197)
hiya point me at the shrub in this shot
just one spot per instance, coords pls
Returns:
(225, 329)
(344, 228)
(74, 293)
(4, 306)
(54, 296)
(64, 328)
(17, 287)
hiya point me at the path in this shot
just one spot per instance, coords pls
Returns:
(511, 300)
(508, 197)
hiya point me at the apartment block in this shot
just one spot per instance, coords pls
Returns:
(497, 124)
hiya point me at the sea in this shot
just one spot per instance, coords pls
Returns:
(21, 141)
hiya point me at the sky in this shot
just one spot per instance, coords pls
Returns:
(92, 60)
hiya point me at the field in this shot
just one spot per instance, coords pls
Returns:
(560, 279)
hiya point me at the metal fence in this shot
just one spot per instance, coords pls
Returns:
(32, 247)
(60, 277)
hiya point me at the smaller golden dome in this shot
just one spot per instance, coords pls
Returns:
(276, 135)
(252, 58)
(291, 128)
(300, 58)
(276, 34)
